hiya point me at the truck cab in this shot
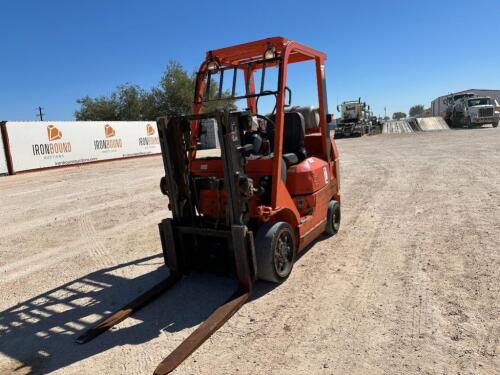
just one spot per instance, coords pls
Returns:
(474, 111)
(354, 118)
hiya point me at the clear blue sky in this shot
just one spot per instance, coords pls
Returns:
(393, 53)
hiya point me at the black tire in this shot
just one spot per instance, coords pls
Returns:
(467, 122)
(333, 218)
(495, 124)
(276, 251)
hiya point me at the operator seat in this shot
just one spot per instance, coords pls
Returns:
(294, 150)
(293, 138)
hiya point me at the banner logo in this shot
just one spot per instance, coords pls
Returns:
(150, 130)
(151, 139)
(109, 131)
(108, 144)
(53, 148)
(53, 133)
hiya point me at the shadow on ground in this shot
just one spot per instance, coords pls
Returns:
(40, 333)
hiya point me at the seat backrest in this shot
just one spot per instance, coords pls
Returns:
(293, 135)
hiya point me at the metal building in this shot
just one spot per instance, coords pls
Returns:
(438, 107)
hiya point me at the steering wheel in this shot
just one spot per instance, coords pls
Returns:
(269, 134)
(267, 119)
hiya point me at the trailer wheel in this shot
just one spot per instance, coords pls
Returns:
(333, 218)
(276, 250)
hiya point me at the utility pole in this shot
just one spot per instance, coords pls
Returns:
(40, 113)
(385, 112)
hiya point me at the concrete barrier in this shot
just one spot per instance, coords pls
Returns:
(432, 123)
(38, 145)
(396, 126)
(414, 125)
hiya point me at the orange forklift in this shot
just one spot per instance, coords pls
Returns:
(271, 192)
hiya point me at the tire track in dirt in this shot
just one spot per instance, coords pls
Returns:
(318, 268)
(353, 299)
(472, 348)
(93, 244)
(14, 228)
(47, 258)
(413, 303)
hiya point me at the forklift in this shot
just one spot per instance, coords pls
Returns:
(273, 190)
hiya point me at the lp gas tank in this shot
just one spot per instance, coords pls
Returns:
(308, 176)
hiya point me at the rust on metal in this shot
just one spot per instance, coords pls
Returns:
(188, 346)
(203, 332)
(128, 309)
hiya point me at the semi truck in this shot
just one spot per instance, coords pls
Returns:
(470, 110)
(355, 119)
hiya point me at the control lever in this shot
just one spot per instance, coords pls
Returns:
(246, 148)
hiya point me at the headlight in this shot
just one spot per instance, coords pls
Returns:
(270, 53)
(213, 66)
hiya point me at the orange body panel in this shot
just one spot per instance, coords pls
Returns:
(307, 177)
(303, 201)
(311, 185)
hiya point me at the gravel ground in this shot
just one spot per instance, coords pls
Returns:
(410, 285)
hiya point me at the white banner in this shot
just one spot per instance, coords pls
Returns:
(3, 161)
(46, 144)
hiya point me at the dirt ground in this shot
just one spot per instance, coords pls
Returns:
(410, 285)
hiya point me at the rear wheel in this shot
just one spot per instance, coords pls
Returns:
(276, 250)
(495, 124)
(333, 218)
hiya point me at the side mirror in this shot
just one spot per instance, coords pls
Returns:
(338, 109)
(329, 118)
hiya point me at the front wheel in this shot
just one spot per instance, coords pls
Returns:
(467, 122)
(495, 124)
(276, 251)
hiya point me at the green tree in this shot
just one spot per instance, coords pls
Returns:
(173, 94)
(100, 108)
(398, 115)
(129, 99)
(128, 102)
(416, 110)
